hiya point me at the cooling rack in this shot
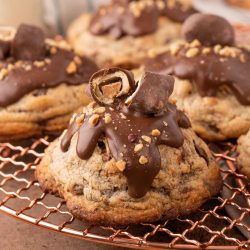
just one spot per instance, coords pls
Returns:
(222, 223)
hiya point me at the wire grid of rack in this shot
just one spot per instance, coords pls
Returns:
(222, 223)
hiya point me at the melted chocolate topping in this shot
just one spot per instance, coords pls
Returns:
(136, 18)
(177, 11)
(120, 19)
(55, 65)
(209, 72)
(133, 137)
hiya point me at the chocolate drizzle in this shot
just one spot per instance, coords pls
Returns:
(210, 68)
(178, 11)
(133, 137)
(43, 65)
(136, 18)
(120, 19)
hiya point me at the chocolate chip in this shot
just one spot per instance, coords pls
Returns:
(152, 93)
(183, 120)
(132, 138)
(201, 152)
(77, 189)
(208, 29)
(28, 43)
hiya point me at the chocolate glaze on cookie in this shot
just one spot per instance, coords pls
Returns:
(136, 18)
(133, 136)
(208, 67)
(178, 10)
(120, 19)
(28, 62)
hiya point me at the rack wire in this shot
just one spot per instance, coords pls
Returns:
(222, 223)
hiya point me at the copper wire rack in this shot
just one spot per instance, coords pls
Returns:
(222, 223)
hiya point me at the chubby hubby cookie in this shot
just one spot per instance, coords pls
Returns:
(121, 32)
(212, 77)
(42, 83)
(130, 156)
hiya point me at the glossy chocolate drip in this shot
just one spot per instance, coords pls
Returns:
(21, 81)
(209, 68)
(119, 19)
(55, 66)
(133, 137)
(136, 18)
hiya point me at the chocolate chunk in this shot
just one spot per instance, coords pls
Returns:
(4, 49)
(183, 120)
(110, 86)
(77, 189)
(201, 152)
(152, 93)
(28, 43)
(208, 29)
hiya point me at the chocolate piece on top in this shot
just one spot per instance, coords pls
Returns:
(156, 99)
(29, 43)
(132, 136)
(110, 86)
(33, 63)
(209, 29)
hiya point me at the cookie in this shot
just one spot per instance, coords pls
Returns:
(211, 74)
(243, 150)
(121, 33)
(42, 82)
(130, 157)
(239, 3)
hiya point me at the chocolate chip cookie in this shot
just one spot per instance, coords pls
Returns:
(130, 157)
(212, 74)
(121, 33)
(42, 82)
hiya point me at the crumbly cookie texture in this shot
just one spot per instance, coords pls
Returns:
(213, 118)
(96, 189)
(128, 51)
(43, 110)
(243, 150)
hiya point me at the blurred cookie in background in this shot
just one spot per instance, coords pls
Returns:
(240, 3)
(122, 32)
